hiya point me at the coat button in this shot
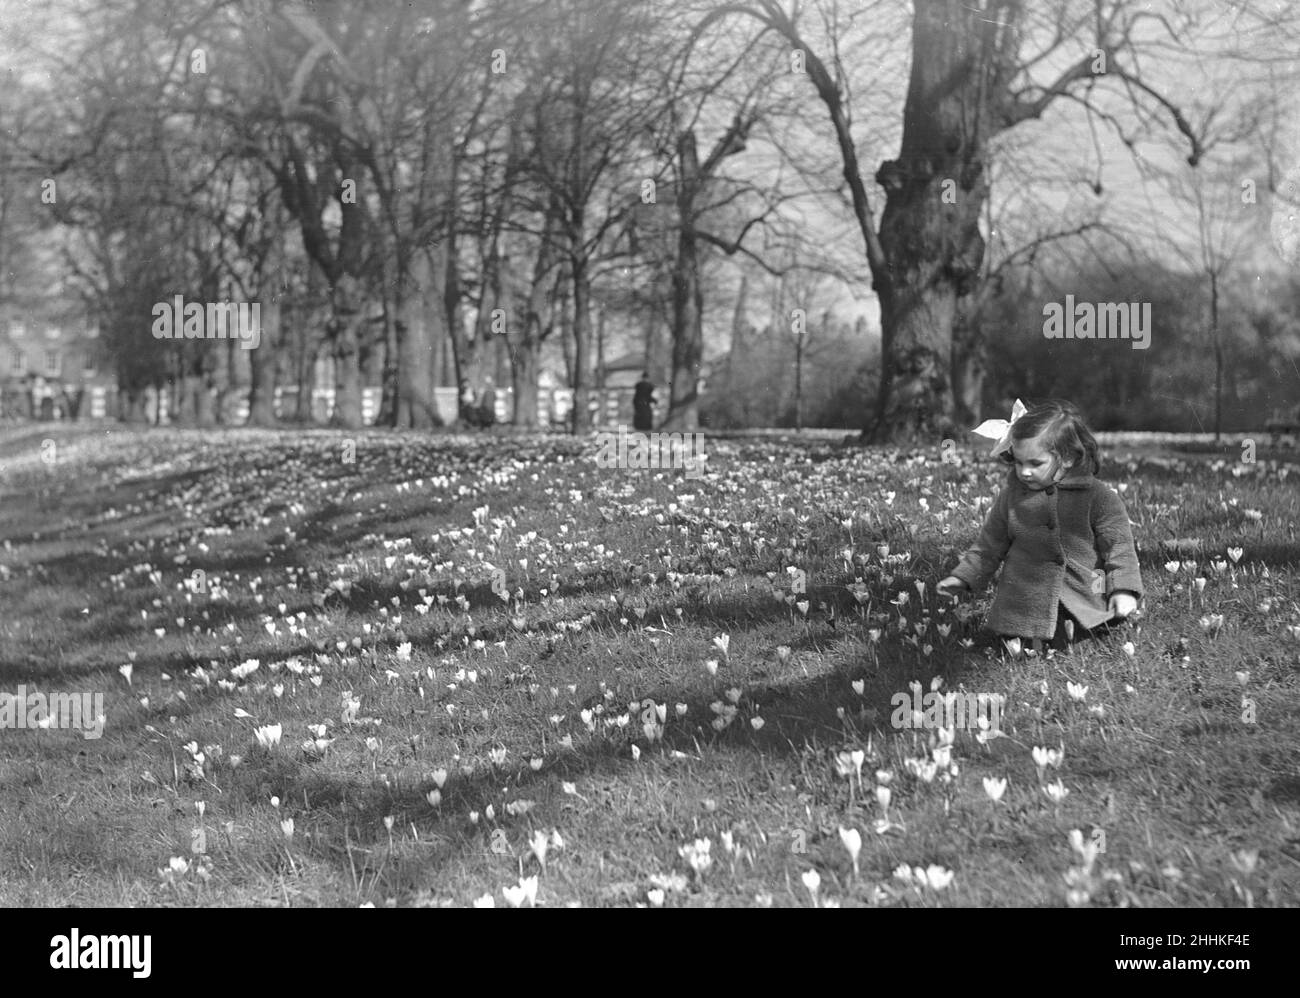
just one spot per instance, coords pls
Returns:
(1059, 559)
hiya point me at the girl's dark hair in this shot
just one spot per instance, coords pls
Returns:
(1062, 429)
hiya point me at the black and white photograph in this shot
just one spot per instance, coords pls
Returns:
(652, 454)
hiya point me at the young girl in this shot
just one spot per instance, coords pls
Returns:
(1062, 537)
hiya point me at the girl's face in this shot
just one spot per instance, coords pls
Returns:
(1035, 467)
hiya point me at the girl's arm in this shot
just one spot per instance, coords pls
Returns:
(982, 559)
(1114, 540)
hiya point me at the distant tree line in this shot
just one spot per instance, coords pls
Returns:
(428, 191)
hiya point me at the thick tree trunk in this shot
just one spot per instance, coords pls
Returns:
(687, 294)
(525, 365)
(600, 354)
(347, 380)
(688, 299)
(466, 350)
(172, 390)
(419, 311)
(132, 408)
(308, 341)
(930, 248)
(798, 383)
(688, 337)
(262, 366)
(524, 338)
(346, 324)
(490, 325)
(525, 349)
(738, 321)
(302, 409)
(205, 410)
(182, 407)
(394, 329)
(929, 230)
(581, 342)
(566, 334)
(388, 382)
(370, 348)
(968, 367)
(224, 379)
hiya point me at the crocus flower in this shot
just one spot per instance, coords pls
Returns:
(995, 787)
(852, 840)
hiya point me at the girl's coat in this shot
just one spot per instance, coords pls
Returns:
(1069, 543)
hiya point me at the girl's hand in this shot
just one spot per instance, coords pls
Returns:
(1122, 604)
(952, 586)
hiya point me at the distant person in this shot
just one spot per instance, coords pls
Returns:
(1062, 537)
(643, 402)
(488, 403)
(468, 404)
(41, 399)
(72, 395)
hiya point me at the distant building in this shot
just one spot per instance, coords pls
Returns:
(54, 361)
(51, 366)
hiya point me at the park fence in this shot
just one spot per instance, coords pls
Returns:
(609, 407)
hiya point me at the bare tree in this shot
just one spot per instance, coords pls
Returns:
(584, 126)
(976, 73)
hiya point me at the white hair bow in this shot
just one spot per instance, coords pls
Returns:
(1000, 429)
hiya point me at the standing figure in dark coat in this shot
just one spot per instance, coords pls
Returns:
(42, 400)
(72, 400)
(643, 404)
(469, 410)
(488, 403)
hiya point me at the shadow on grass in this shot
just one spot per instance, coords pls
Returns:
(798, 712)
(347, 816)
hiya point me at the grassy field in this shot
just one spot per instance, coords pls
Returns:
(443, 671)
